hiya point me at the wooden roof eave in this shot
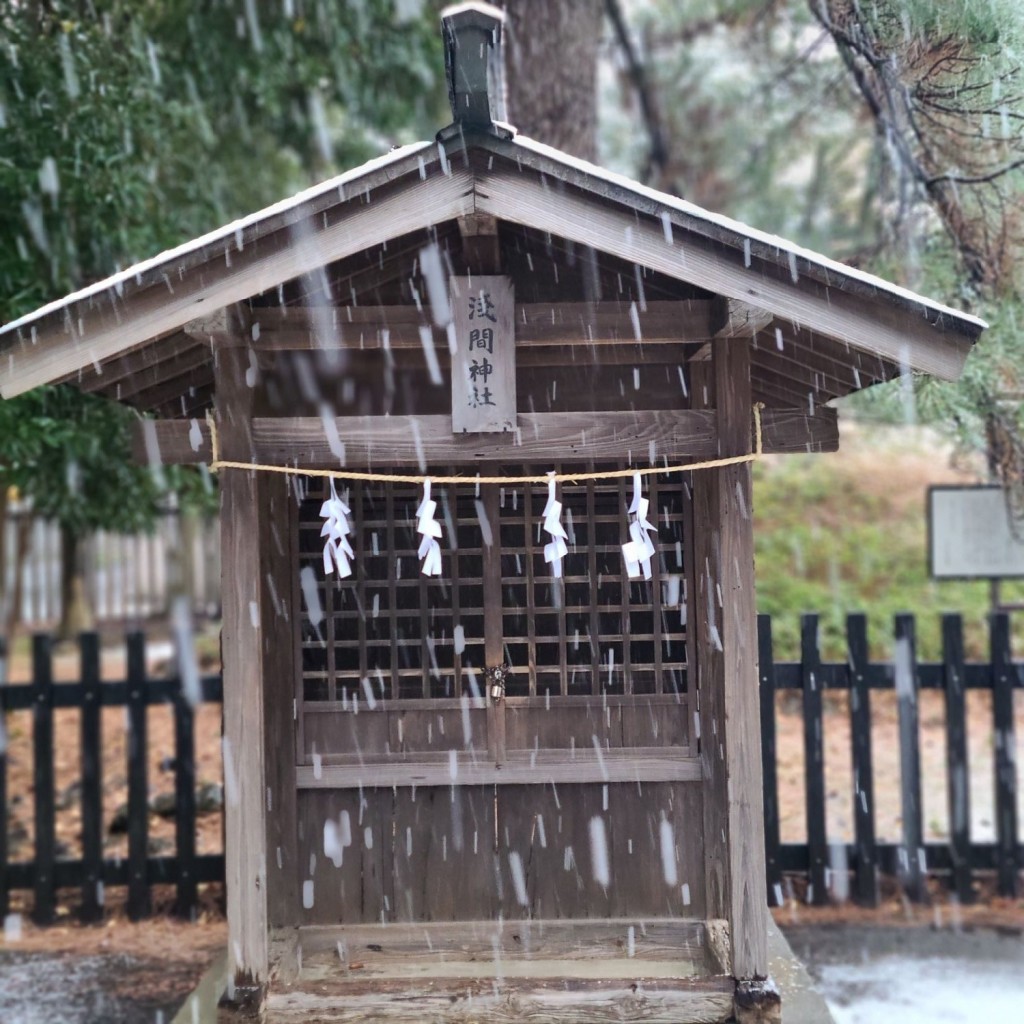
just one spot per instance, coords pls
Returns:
(535, 186)
(228, 266)
(517, 181)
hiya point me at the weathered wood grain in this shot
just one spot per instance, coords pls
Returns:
(555, 1001)
(345, 870)
(544, 938)
(742, 737)
(408, 440)
(403, 440)
(727, 669)
(244, 667)
(618, 969)
(278, 545)
(144, 367)
(537, 325)
(732, 318)
(707, 666)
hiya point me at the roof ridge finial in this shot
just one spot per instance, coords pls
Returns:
(475, 66)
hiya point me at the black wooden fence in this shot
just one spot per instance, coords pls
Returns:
(92, 873)
(910, 859)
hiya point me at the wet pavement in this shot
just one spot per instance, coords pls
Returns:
(913, 975)
(44, 988)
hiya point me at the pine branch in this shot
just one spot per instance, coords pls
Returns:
(657, 157)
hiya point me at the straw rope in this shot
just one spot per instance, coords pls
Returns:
(542, 478)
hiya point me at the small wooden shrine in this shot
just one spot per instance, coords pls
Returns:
(482, 761)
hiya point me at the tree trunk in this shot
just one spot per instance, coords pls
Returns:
(75, 614)
(551, 67)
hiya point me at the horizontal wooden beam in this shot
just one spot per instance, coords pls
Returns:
(550, 766)
(541, 437)
(538, 324)
(733, 319)
(382, 441)
(142, 367)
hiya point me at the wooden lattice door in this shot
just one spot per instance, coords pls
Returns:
(429, 792)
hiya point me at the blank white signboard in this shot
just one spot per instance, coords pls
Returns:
(970, 535)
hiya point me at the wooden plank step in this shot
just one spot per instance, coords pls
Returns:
(495, 972)
(556, 1002)
(593, 937)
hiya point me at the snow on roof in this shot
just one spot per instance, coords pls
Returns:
(235, 230)
(299, 205)
(740, 230)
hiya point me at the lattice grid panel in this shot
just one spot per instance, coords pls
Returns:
(403, 635)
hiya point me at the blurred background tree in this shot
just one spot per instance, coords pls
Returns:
(128, 127)
(887, 134)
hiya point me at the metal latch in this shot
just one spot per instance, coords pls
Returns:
(496, 677)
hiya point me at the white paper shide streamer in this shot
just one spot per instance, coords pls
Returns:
(337, 549)
(430, 530)
(555, 550)
(639, 549)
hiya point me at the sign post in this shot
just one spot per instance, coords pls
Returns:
(970, 536)
(484, 358)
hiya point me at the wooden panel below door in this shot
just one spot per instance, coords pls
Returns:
(596, 850)
(472, 853)
(444, 854)
(413, 854)
(356, 884)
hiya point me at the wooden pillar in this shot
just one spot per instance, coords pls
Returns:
(727, 682)
(279, 604)
(243, 654)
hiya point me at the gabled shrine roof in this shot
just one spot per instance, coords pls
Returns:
(865, 328)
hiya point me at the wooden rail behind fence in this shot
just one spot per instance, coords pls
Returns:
(852, 868)
(128, 578)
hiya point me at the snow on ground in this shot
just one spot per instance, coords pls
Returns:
(915, 975)
(931, 991)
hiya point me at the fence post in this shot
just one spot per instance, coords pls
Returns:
(5, 905)
(866, 879)
(184, 803)
(959, 791)
(769, 766)
(138, 786)
(814, 760)
(1006, 772)
(907, 684)
(42, 770)
(92, 780)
